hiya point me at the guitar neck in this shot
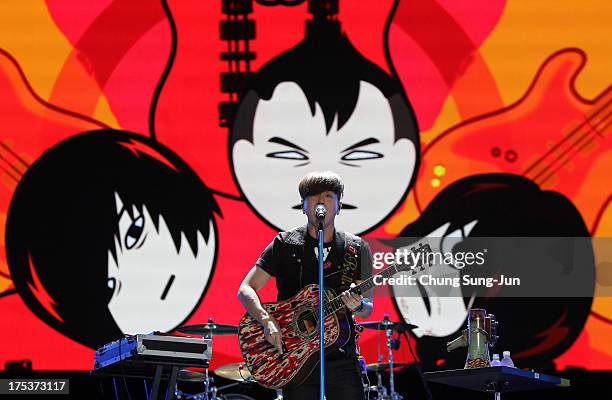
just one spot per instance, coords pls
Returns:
(335, 304)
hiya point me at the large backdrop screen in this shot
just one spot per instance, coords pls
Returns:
(149, 151)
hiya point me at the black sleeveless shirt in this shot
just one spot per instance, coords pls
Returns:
(291, 258)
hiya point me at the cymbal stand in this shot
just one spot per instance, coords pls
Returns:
(209, 393)
(393, 394)
(381, 390)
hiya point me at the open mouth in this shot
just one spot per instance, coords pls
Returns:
(345, 206)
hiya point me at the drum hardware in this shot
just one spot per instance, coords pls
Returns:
(386, 324)
(209, 329)
(392, 344)
(235, 372)
(239, 372)
(186, 375)
(209, 392)
(381, 366)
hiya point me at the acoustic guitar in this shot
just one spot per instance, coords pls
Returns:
(297, 318)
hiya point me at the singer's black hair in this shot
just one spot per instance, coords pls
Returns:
(319, 182)
(62, 223)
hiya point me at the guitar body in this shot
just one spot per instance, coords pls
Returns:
(552, 136)
(297, 319)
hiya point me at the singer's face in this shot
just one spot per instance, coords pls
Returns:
(329, 199)
(289, 141)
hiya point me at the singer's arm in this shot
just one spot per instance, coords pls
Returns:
(247, 294)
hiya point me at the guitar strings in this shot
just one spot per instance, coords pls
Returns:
(577, 129)
(18, 173)
(310, 314)
(14, 154)
(587, 135)
(8, 172)
(567, 137)
(587, 143)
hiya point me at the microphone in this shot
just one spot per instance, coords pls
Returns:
(320, 212)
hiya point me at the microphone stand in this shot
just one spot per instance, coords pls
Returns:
(321, 315)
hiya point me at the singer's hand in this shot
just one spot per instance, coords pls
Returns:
(352, 300)
(273, 333)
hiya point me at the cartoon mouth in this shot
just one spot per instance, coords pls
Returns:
(345, 206)
(167, 288)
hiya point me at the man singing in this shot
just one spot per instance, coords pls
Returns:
(292, 258)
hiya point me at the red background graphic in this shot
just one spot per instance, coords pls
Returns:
(479, 75)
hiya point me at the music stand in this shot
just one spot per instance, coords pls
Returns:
(497, 380)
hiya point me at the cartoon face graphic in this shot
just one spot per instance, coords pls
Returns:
(512, 218)
(155, 286)
(436, 314)
(288, 141)
(124, 241)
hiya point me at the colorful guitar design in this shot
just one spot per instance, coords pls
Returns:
(551, 135)
(297, 319)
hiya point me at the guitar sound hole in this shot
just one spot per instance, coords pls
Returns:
(306, 323)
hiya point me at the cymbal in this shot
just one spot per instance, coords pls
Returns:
(386, 324)
(235, 372)
(186, 375)
(209, 328)
(383, 366)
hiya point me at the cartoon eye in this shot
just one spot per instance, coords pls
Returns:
(114, 285)
(134, 232)
(288, 155)
(361, 155)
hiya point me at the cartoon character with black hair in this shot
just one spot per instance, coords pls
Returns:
(110, 232)
(322, 106)
(536, 235)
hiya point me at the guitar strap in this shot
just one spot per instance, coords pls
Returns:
(350, 264)
(350, 259)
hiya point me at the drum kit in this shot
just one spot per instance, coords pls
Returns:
(236, 372)
(240, 374)
(379, 391)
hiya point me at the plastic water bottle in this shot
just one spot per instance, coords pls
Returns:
(495, 361)
(506, 360)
